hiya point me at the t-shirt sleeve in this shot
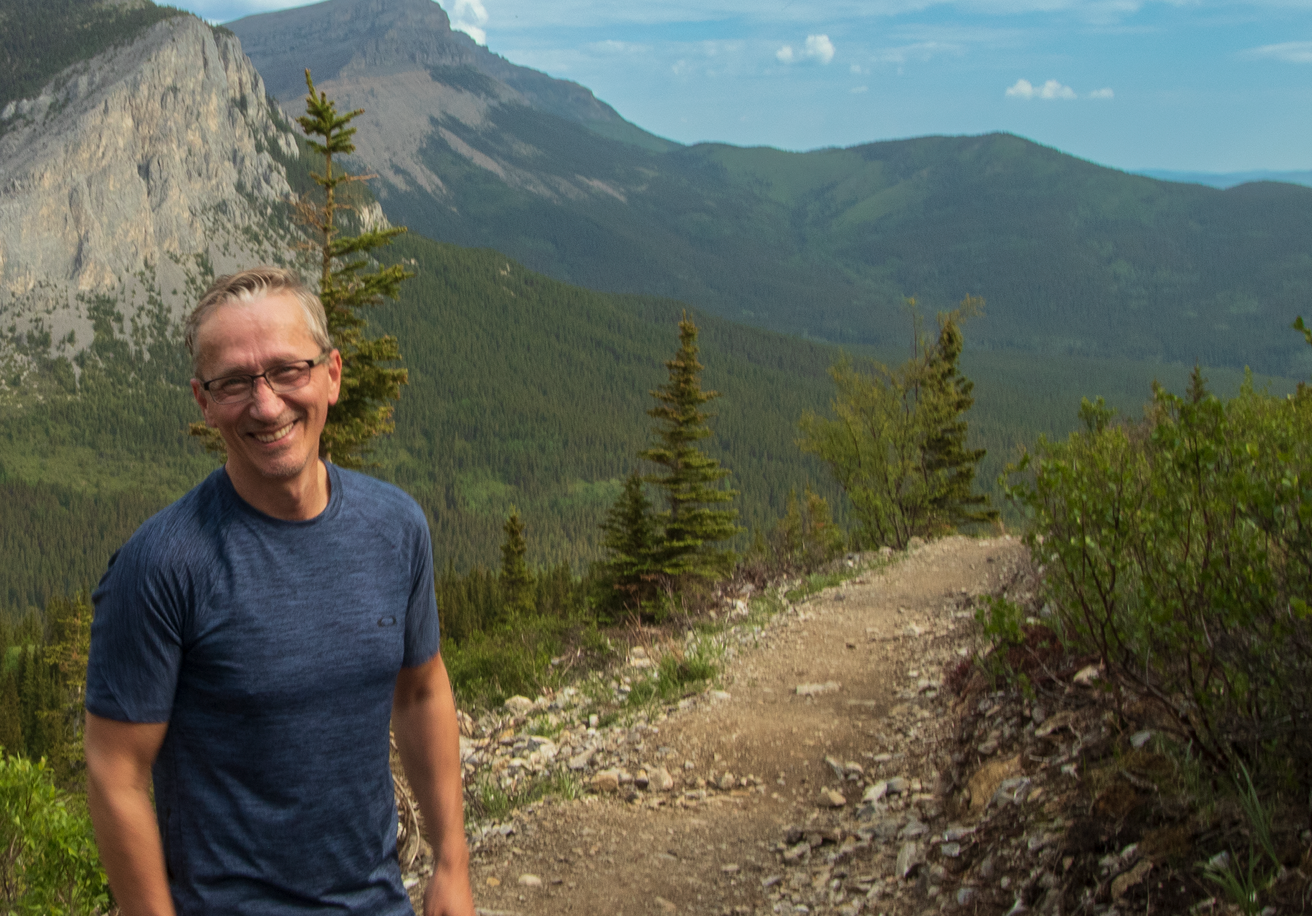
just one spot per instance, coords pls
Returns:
(422, 635)
(136, 638)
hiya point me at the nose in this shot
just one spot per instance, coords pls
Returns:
(264, 400)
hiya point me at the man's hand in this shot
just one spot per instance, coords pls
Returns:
(448, 891)
(119, 756)
(428, 739)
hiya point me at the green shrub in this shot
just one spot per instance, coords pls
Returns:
(489, 666)
(48, 860)
(1180, 550)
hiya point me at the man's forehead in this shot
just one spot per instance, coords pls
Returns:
(237, 316)
(247, 322)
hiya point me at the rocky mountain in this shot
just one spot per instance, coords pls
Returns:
(1072, 258)
(416, 78)
(135, 174)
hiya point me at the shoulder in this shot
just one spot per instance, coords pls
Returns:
(374, 499)
(177, 532)
(169, 562)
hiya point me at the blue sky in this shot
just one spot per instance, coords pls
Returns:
(1187, 84)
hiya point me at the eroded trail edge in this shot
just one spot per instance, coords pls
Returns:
(805, 783)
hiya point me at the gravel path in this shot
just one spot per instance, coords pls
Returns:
(833, 700)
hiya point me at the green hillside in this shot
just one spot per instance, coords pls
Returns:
(1073, 258)
(524, 391)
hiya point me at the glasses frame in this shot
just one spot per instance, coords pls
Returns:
(310, 365)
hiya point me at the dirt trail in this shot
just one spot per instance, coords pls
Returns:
(883, 639)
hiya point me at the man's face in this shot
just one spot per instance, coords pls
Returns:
(271, 438)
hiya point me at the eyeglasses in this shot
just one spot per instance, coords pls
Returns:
(232, 389)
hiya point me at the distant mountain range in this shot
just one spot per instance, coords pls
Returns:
(1072, 258)
(1225, 180)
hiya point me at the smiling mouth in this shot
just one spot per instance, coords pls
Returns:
(274, 436)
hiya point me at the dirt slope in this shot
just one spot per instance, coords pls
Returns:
(714, 844)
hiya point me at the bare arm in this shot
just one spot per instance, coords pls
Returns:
(119, 756)
(428, 738)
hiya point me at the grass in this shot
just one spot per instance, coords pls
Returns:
(488, 667)
(489, 801)
(679, 673)
(816, 582)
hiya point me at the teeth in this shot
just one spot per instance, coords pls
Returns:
(275, 435)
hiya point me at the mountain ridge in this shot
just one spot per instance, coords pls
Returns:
(1071, 257)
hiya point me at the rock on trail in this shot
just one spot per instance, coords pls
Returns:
(807, 784)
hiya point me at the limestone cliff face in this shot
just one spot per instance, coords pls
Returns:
(133, 174)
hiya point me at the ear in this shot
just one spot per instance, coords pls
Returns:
(203, 399)
(334, 376)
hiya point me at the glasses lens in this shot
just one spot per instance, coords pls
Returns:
(285, 378)
(231, 388)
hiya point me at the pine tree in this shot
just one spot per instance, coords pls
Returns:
(65, 658)
(628, 537)
(946, 455)
(516, 579)
(364, 408)
(806, 537)
(11, 716)
(691, 523)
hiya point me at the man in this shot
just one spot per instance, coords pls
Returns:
(251, 643)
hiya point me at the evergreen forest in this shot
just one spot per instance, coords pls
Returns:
(523, 391)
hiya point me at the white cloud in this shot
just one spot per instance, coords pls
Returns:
(1024, 89)
(1102, 94)
(817, 47)
(856, 69)
(1293, 52)
(857, 90)
(469, 16)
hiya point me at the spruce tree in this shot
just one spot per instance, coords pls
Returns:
(65, 658)
(11, 716)
(692, 521)
(364, 408)
(628, 537)
(516, 579)
(946, 455)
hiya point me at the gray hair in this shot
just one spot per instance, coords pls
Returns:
(248, 286)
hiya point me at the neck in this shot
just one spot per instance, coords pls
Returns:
(294, 499)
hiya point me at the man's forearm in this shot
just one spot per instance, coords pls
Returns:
(428, 739)
(118, 795)
(130, 850)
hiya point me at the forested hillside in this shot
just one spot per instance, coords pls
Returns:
(1074, 259)
(524, 391)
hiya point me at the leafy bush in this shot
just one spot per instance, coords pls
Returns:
(48, 860)
(1180, 550)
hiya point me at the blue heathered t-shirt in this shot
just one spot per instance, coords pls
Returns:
(271, 648)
